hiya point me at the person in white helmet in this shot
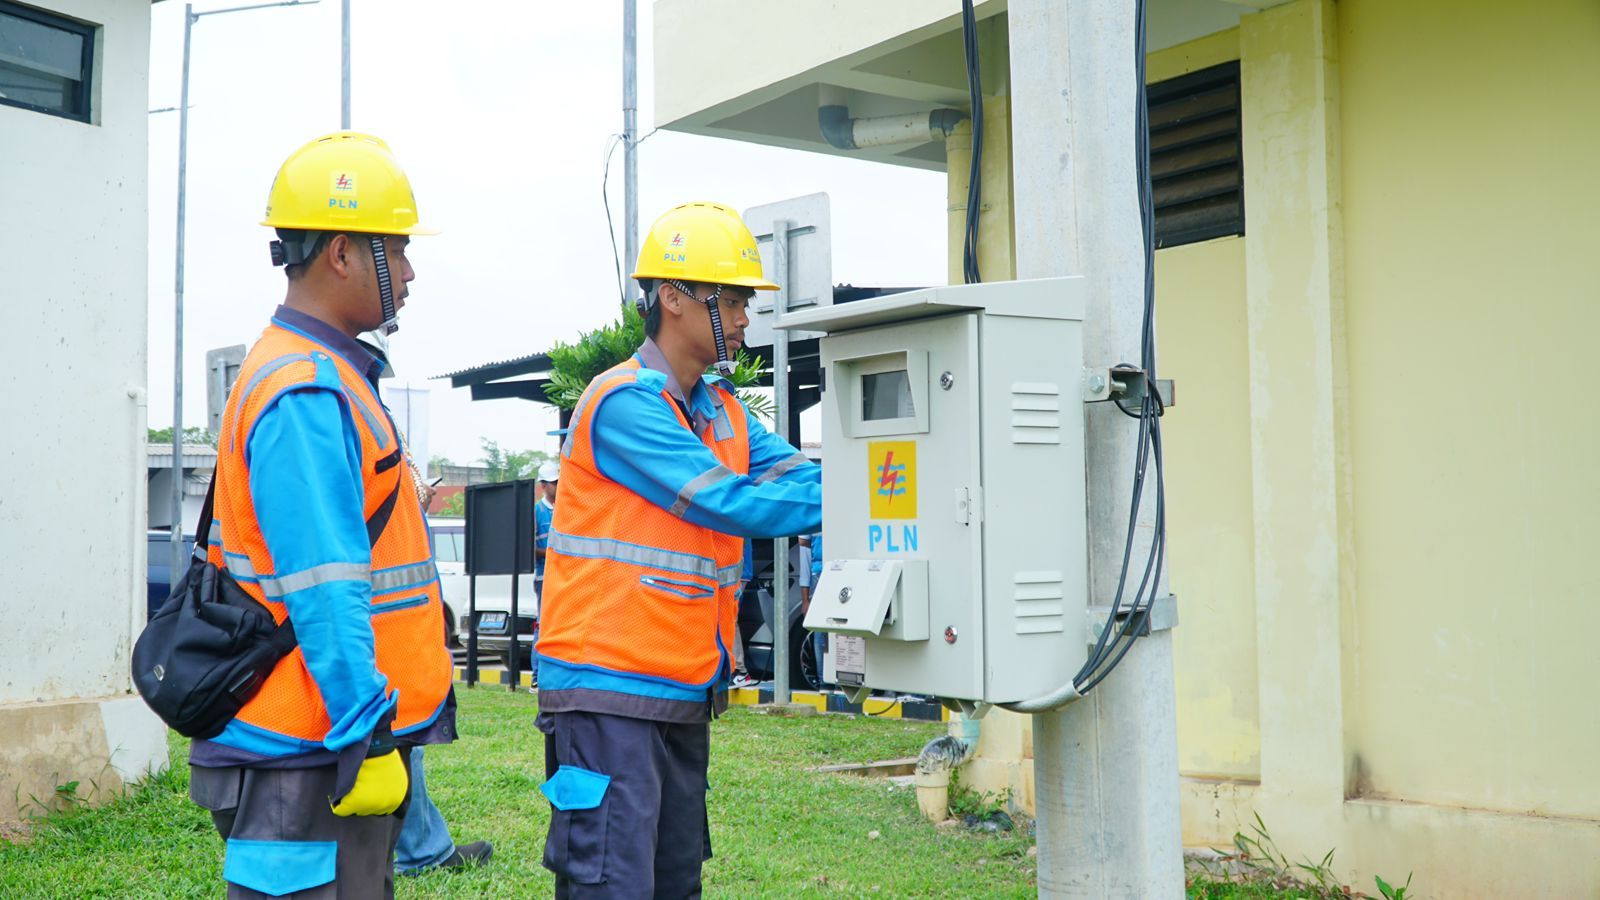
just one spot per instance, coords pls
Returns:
(543, 513)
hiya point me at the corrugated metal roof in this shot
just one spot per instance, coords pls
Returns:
(533, 362)
(163, 449)
(195, 456)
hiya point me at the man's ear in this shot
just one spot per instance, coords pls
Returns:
(338, 251)
(670, 297)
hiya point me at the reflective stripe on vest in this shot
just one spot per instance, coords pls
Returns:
(408, 624)
(631, 588)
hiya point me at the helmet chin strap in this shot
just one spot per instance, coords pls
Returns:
(380, 265)
(723, 363)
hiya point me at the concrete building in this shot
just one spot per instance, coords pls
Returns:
(1379, 479)
(72, 332)
(198, 463)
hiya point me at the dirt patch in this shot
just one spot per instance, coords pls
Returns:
(15, 833)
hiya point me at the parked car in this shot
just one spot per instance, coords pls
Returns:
(158, 583)
(493, 598)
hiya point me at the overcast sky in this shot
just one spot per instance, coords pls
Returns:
(500, 113)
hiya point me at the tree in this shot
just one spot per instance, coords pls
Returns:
(510, 465)
(190, 436)
(455, 507)
(437, 463)
(573, 366)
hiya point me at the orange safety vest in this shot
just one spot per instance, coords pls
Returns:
(407, 609)
(630, 588)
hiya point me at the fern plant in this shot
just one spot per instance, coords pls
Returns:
(573, 366)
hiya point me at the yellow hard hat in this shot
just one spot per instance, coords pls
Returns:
(702, 242)
(345, 181)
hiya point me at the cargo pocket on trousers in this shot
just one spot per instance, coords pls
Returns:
(576, 848)
(280, 867)
(217, 790)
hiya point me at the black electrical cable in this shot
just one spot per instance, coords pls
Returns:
(1105, 657)
(605, 197)
(969, 245)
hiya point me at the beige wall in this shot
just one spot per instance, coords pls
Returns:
(1200, 320)
(1472, 283)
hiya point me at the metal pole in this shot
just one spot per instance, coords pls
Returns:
(472, 630)
(630, 137)
(178, 566)
(344, 64)
(514, 659)
(780, 390)
(1105, 767)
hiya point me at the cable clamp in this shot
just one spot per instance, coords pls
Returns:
(1125, 384)
(1160, 615)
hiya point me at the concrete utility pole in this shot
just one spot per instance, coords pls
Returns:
(630, 140)
(780, 392)
(344, 65)
(1105, 767)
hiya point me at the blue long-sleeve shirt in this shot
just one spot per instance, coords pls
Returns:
(543, 513)
(305, 482)
(640, 444)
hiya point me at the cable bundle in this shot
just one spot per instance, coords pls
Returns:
(969, 246)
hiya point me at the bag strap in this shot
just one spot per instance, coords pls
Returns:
(380, 516)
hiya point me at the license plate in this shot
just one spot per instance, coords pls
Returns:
(492, 621)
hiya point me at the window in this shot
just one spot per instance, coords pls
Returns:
(45, 62)
(1196, 166)
(447, 545)
(886, 395)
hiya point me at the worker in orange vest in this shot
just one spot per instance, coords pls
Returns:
(319, 521)
(665, 474)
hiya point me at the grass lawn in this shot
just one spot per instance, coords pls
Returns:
(778, 830)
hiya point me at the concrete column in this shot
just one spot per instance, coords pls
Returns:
(1304, 562)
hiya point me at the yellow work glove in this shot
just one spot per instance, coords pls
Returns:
(381, 786)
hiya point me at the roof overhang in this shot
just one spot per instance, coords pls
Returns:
(890, 57)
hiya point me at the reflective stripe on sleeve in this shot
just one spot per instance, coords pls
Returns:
(782, 466)
(697, 484)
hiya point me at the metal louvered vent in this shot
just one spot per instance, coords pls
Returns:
(1195, 161)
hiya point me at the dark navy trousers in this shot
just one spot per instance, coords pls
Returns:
(647, 835)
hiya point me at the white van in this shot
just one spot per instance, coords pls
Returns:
(493, 599)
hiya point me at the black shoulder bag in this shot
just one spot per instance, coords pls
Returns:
(209, 648)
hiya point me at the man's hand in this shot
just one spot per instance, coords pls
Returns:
(381, 786)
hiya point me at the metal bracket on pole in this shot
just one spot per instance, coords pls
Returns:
(1162, 616)
(1126, 384)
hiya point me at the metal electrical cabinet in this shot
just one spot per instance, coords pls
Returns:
(953, 495)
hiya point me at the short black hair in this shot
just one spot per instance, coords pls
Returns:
(652, 320)
(295, 272)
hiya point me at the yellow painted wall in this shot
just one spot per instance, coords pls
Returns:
(1200, 319)
(1469, 173)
